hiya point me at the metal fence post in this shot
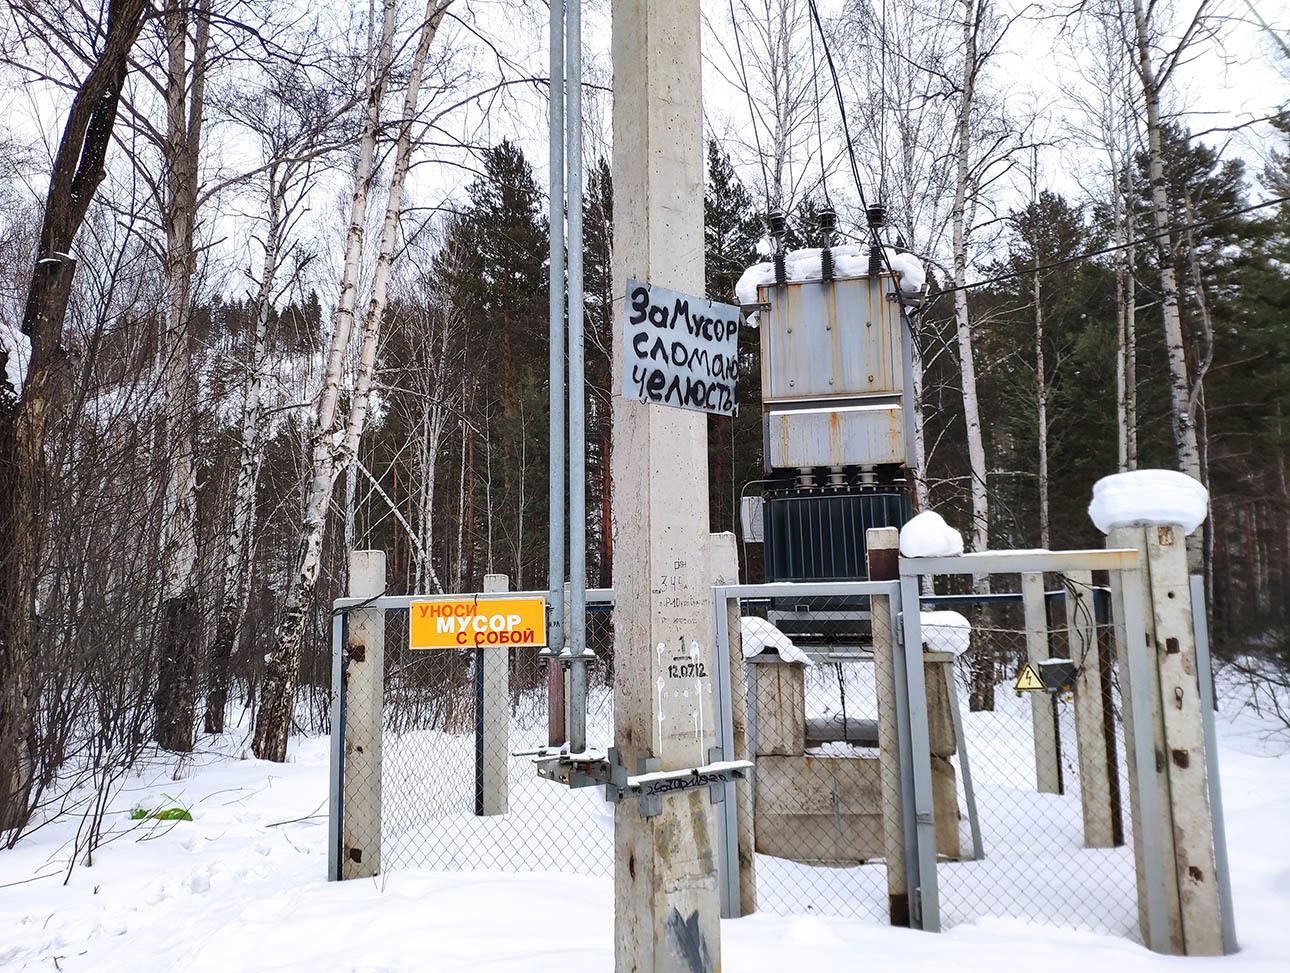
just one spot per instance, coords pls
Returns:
(1139, 722)
(727, 815)
(882, 547)
(920, 746)
(740, 896)
(336, 774)
(1206, 677)
(969, 791)
(364, 721)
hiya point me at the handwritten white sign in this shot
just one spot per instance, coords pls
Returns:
(679, 350)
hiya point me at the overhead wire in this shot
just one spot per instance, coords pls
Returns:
(752, 112)
(1137, 241)
(819, 127)
(882, 103)
(851, 155)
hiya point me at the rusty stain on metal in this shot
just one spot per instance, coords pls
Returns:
(832, 367)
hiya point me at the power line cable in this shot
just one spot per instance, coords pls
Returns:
(752, 113)
(851, 155)
(819, 127)
(882, 104)
(1114, 247)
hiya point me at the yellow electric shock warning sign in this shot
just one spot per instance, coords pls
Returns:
(455, 623)
(1028, 680)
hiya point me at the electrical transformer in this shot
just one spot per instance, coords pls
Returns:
(837, 421)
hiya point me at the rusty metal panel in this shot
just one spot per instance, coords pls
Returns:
(827, 340)
(842, 436)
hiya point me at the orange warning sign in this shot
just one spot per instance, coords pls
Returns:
(454, 623)
(1028, 680)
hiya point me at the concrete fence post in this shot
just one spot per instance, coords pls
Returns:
(1182, 824)
(1090, 717)
(1043, 713)
(364, 694)
(1184, 741)
(883, 545)
(492, 722)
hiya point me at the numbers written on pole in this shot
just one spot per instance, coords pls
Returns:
(679, 350)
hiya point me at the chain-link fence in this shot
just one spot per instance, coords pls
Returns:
(814, 712)
(1037, 776)
(929, 768)
(456, 790)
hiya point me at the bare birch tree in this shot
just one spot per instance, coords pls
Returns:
(294, 119)
(771, 64)
(976, 15)
(335, 449)
(78, 169)
(185, 94)
(897, 62)
(1112, 130)
(1155, 70)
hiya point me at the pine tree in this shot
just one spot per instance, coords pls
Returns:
(732, 229)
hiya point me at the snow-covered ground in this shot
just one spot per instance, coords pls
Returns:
(242, 886)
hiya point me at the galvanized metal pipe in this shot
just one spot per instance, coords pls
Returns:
(555, 310)
(577, 391)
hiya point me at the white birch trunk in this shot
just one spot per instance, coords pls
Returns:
(459, 569)
(239, 546)
(962, 321)
(1184, 422)
(175, 701)
(274, 720)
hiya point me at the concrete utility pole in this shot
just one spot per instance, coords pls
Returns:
(665, 880)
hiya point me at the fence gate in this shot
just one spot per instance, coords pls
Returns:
(815, 706)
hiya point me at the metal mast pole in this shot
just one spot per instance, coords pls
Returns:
(555, 594)
(577, 392)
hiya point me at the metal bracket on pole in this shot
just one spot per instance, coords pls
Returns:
(647, 786)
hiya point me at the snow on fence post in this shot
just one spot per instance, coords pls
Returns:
(492, 727)
(882, 544)
(1153, 511)
(364, 693)
(1090, 721)
(1043, 711)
